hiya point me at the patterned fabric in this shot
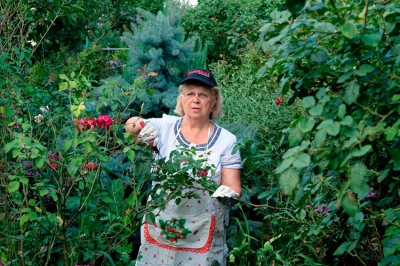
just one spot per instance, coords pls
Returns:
(193, 232)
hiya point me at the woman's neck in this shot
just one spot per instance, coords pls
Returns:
(195, 124)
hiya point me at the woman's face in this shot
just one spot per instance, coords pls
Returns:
(198, 102)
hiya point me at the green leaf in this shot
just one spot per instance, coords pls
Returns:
(262, 70)
(103, 157)
(341, 111)
(371, 39)
(291, 152)
(345, 76)
(394, 153)
(72, 168)
(131, 155)
(390, 133)
(295, 6)
(303, 160)
(352, 90)
(11, 145)
(285, 165)
(295, 136)
(348, 120)
(319, 57)
(178, 201)
(364, 70)
(24, 180)
(301, 215)
(285, 85)
(333, 129)
(341, 249)
(349, 204)
(32, 216)
(383, 174)
(308, 101)
(357, 182)
(32, 202)
(39, 162)
(357, 173)
(24, 218)
(306, 124)
(87, 146)
(320, 138)
(289, 180)
(73, 84)
(66, 145)
(63, 86)
(362, 151)
(349, 30)
(13, 186)
(63, 76)
(391, 244)
(317, 110)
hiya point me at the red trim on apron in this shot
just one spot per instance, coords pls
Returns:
(201, 250)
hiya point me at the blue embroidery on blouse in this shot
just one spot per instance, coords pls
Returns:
(200, 147)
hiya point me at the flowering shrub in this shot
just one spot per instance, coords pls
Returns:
(76, 187)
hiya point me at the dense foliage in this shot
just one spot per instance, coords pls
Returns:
(341, 166)
(228, 28)
(310, 88)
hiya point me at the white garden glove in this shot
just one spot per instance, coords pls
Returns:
(148, 133)
(226, 196)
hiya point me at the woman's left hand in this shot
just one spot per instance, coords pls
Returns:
(226, 196)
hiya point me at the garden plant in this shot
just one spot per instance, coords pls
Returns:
(311, 90)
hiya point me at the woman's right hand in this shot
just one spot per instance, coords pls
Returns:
(148, 133)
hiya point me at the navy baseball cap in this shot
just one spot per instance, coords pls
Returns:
(201, 75)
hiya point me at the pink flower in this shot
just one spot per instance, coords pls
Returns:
(16, 126)
(86, 123)
(371, 193)
(278, 101)
(104, 121)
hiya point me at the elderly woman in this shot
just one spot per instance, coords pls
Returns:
(198, 103)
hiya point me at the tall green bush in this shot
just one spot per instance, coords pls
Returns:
(341, 59)
(228, 27)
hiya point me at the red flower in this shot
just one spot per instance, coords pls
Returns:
(201, 173)
(52, 157)
(91, 166)
(104, 121)
(52, 165)
(171, 239)
(278, 101)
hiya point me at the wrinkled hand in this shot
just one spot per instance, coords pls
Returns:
(148, 133)
(226, 196)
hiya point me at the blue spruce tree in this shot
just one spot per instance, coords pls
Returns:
(160, 54)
